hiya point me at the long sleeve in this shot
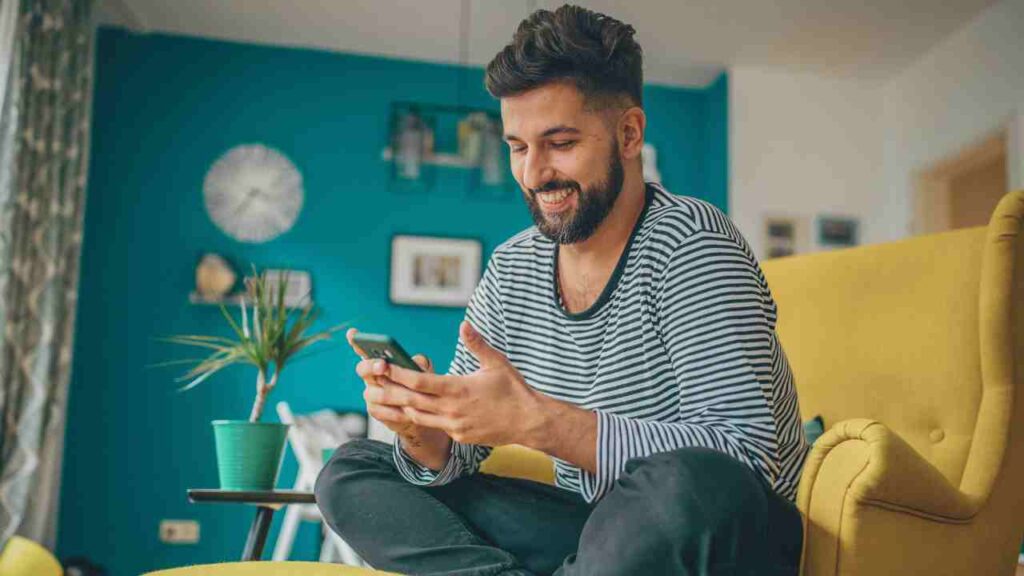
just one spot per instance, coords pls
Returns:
(716, 319)
(485, 314)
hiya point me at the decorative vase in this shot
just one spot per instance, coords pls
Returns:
(249, 454)
(214, 277)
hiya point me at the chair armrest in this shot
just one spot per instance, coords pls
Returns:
(867, 461)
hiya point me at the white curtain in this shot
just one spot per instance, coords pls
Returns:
(8, 26)
(46, 54)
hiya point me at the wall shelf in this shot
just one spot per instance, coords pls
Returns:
(438, 137)
(450, 160)
(233, 300)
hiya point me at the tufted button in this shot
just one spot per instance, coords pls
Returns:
(936, 435)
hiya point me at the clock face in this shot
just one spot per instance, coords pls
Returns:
(253, 193)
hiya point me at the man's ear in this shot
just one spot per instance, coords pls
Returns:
(632, 125)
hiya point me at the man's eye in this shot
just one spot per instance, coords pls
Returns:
(563, 145)
(517, 149)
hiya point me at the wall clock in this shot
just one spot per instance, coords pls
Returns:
(253, 193)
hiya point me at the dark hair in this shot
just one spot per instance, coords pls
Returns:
(594, 51)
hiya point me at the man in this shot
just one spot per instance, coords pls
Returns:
(629, 334)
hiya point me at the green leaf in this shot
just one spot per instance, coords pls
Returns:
(274, 335)
(245, 318)
(231, 322)
(196, 382)
(192, 341)
(174, 362)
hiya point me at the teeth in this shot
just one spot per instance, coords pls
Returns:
(553, 197)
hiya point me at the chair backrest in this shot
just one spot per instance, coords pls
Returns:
(311, 434)
(917, 334)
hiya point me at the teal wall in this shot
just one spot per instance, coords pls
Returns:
(165, 108)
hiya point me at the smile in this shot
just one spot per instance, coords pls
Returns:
(556, 200)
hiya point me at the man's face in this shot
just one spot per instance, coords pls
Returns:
(565, 159)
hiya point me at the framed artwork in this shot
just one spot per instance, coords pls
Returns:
(784, 235)
(837, 232)
(434, 271)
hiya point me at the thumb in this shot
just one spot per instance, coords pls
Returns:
(479, 347)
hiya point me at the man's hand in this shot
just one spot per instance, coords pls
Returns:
(428, 446)
(492, 406)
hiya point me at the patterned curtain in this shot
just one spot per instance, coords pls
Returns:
(44, 136)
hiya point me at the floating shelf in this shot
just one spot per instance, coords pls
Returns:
(233, 300)
(437, 159)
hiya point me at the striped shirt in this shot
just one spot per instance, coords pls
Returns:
(679, 350)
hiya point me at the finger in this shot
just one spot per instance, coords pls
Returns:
(424, 382)
(424, 363)
(371, 368)
(428, 420)
(386, 393)
(377, 396)
(485, 354)
(391, 394)
(364, 368)
(348, 336)
(372, 394)
(388, 414)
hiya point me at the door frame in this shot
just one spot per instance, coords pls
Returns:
(932, 197)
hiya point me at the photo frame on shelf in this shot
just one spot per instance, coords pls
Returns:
(298, 289)
(434, 270)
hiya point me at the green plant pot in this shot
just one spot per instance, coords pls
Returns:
(249, 454)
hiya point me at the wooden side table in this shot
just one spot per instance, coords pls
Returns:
(266, 501)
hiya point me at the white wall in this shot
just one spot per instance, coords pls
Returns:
(804, 145)
(808, 145)
(968, 86)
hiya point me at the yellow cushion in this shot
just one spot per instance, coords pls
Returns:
(267, 569)
(23, 557)
(514, 461)
(880, 332)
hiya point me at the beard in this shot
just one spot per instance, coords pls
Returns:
(592, 205)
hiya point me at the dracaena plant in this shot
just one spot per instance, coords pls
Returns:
(268, 335)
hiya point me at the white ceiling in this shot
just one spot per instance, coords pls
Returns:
(686, 43)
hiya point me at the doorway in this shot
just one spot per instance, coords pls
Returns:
(963, 190)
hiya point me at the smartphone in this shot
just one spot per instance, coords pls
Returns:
(386, 347)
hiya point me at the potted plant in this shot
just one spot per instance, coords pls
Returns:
(269, 338)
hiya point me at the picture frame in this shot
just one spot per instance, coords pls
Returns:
(784, 235)
(837, 231)
(434, 270)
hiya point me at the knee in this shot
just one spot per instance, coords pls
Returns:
(346, 465)
(699, 488)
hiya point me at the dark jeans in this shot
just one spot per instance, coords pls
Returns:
(688, 512)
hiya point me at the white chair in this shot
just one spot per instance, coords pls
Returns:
(309, 435)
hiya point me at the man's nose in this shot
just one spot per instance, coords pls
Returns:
(536, 170)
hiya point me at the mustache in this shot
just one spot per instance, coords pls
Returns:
(556, 185)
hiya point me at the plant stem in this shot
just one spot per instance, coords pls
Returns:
(262, 389)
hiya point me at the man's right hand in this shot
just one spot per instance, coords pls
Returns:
(428, 446)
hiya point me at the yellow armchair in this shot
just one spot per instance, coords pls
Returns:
(23, 557)
(912, 352)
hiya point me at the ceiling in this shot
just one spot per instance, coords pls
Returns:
(686, 43)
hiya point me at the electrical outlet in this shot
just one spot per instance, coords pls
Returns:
(179, 531)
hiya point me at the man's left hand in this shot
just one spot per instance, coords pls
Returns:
(492, 406)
